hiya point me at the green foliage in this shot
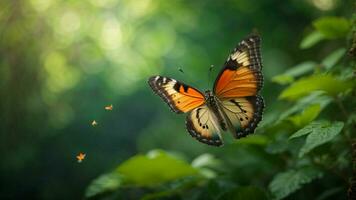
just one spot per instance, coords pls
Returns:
(104, 183)
(242, 193)
(326, 28)
(318, 133)
(333, 58)
(285, 183)
(332, 27)
(154, 168)
(294, 72)
(308, 115)
(323, 82)
(312, 39)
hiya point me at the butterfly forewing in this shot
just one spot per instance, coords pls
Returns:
(202, 125)
(241, 75)
(243, 113)
(180, 97)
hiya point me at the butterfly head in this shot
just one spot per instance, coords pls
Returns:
(208, 94)
(209, 97)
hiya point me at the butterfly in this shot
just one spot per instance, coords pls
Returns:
(233, 105)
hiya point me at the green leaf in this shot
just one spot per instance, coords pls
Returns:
(253, 140)
(289, 75)
(308, 115)
(318, 133)
(172, 188)
(205, 163)
(206, 160)
(104, 183)
(327, 194)
(155, 168)
(283, 79)
(328, 83)
(242, 193)
(312, 39)
(285, 183)
(277, 147)
(332, 27)
(316, 97)
(333, 58)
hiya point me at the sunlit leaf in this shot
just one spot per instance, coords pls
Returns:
(333, 58)
(316, 97)
(285, 183)
(332, 27)
(104, 183)
(155, 168)
(205, 163)
(308, 115)
(242, 193)
(328, 83)
(206, 160)
(318, 133)
(289, 75)
(312, 39)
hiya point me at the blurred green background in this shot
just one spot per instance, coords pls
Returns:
(62, 62)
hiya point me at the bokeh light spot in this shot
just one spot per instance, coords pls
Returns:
(324, 4)
(41, 5)
(69, 22)
(111, 35)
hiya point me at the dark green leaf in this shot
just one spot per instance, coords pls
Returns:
(243, 193)
(332, 27)
(253, 140)
(318, 133)
(312, 39)
(285, 183)
(330, 192)
(104, 183)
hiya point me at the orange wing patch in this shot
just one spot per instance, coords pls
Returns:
(241, 75)
(180, 97)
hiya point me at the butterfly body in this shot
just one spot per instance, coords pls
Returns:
(233, 105)
(213, 103)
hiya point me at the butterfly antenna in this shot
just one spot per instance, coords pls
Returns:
(209, 75)
(181, 70)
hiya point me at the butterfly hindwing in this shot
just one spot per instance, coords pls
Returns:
(202, 125)
(243, 113)
(241, 75)
(180, 97)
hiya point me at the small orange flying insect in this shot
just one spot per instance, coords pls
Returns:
(94, 123)
(110, 107)
(80, 157)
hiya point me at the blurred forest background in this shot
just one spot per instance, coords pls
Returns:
(62, 62)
